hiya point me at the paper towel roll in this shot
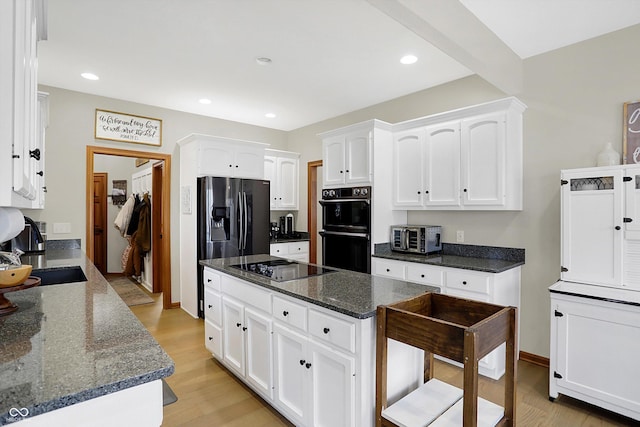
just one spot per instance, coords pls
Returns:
(11, 223)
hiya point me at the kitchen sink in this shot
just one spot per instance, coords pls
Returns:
(58, 275)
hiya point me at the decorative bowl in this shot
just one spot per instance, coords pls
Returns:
(14, 276)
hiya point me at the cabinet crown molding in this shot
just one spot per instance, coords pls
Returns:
(368, 124)
(219, 139)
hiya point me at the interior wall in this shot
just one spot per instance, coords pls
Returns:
(71, 129)
(575, 97)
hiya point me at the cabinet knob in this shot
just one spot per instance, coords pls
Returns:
(419, 192)
(422, 275)
(302, 362)
(326, 330)
(35, 153)
(244, 328)
(426, 191)
(617, 227)
(464, 282)
(238, 324)
(236, 165)
(208, 280)
(230, 166)
(285, 313)
(210, 338)
(341, 172)
(210, 306)
(347, 170)
(44, 189)
(388, 270)
(308, 365)
(465, 190)
(40, 173)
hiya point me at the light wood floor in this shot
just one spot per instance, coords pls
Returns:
(208, 395)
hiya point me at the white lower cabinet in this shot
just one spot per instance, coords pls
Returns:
(315, 366)
(595, 342)
(298, 250)
(497, 288)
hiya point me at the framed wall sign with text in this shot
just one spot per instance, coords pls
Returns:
(115, 126)
(631, 133)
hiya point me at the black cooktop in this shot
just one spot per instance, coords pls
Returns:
(282, 270)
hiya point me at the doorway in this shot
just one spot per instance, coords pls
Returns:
(312, 209)
(161, 237)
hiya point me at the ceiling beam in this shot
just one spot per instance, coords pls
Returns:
(457, 32)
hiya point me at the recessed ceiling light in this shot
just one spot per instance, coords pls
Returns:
(408, 59)
(263, 60)
(204, 101)
(270, 115)
(90, 76)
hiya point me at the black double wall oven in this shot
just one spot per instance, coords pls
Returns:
(346, 228)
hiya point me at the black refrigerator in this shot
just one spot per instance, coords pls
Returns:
(233, 220)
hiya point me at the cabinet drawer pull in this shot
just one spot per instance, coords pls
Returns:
(210, 306)
(326, 330)
(244, 328)
(40, 173)
(388, 270)
(308, 365)
(35, 153)
(422, 275)
(302, 362)
(208, 280)
(285, 313)
(464, 282)
(238, 324)
(617, 227)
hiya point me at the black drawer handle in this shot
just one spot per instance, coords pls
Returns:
(325, 330)
(238, 324)
(285, 313)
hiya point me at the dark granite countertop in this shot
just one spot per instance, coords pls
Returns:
(489, 259)
(72, 342)
(298, 236)
(348, 292)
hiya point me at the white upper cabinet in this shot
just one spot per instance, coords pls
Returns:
(22, 25)
(347, 157)
(217, 156)
(600, 238)
(464, 159)
(282, 169)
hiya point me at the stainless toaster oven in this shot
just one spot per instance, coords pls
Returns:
(420, 239)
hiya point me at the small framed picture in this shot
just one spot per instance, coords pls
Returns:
(631, 133)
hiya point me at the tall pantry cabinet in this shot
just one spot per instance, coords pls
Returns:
(595, 307)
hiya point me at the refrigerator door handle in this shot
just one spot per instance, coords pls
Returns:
(240, 221)
(246, 220)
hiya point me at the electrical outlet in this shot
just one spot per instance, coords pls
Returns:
(61, 228)
(460, 236)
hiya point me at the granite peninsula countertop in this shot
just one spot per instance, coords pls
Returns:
(348, 292)
(72, 342)
(490, 259)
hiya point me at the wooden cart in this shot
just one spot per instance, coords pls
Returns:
(458, 329)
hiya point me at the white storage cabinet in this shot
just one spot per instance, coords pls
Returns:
(298, 251)
(22, 25)
(469, 158)
(347, 157)
(281, 168)
(595, 340)
(601, 226)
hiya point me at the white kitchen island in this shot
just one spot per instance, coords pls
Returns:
(307, 346)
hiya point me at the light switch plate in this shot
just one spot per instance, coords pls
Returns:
(460, 236)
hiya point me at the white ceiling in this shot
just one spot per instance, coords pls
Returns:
(329, 57)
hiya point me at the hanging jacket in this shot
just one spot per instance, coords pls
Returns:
(143, 238)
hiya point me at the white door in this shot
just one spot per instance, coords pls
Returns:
(483, 160)
(270, 164)
(333, 160)
(291, 378)
(358, 158)
(258, 336)
(592, 227)
(233, 335)
(442, 165)
(249, 162)
(632, 202)
(596, 348)
(333, 387)
(216, 160)
(408, 167)
(287, 183)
